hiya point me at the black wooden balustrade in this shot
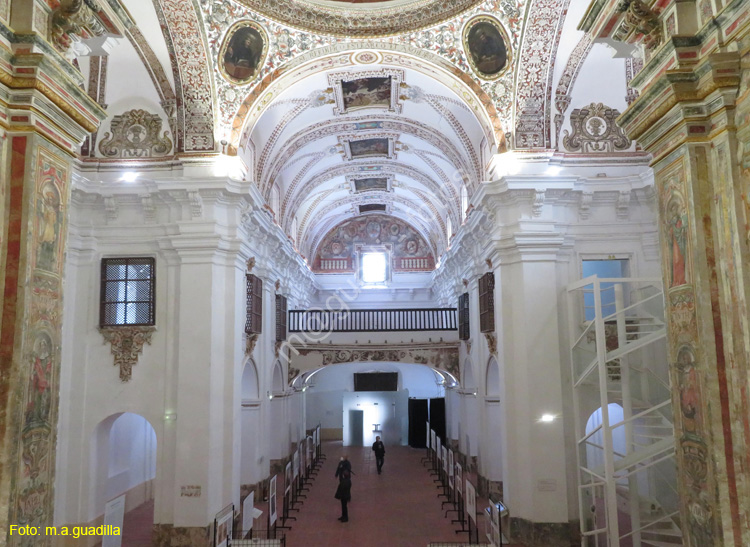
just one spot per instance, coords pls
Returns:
(372, 320)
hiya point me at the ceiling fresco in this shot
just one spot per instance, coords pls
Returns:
(335, 106)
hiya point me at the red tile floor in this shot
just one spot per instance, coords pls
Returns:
(399, 508)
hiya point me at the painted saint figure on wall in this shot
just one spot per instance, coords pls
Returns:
(39, 396)
(677, 241)
(49, 221)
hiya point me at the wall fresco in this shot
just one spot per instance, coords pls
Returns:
(40, 352)
(340, 244)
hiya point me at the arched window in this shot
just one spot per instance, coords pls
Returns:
(464, 202)
(449, 230)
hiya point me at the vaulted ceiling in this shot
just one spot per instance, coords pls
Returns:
(393, 77)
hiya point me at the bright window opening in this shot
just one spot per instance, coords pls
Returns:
(374, 267)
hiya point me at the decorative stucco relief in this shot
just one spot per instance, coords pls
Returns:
(135, 134)
(127, 344)
(595, 130)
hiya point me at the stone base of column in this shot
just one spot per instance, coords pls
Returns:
(543, 534)
(166, 535)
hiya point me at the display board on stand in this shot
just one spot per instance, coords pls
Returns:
(272, 502)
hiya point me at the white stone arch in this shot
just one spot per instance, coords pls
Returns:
(492, 378)
(123, 456)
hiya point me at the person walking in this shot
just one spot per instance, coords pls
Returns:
(379, 448)
(344, 494)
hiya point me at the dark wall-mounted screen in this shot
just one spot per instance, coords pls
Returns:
(376, 381)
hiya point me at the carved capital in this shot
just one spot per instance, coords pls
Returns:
(127, 343)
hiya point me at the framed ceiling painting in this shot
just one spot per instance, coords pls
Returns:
(373, 145)
(243, 52)
(361, 184)
(366, 89)
(486, 46)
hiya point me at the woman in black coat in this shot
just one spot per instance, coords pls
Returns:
(344, 493)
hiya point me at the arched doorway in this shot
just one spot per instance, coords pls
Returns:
(123, 452)
(250, 472)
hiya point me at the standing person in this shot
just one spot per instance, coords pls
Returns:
(344, 494)
(379, 448)
(344, 466)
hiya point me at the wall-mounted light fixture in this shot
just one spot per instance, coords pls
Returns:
(547, 418)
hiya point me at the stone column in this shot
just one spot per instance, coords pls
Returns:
(38, 146)
(703, 217)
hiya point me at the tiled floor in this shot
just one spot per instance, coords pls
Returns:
(399, 508)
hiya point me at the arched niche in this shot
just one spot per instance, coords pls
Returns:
(123, 461)
(492, 385)
(469, 379)
(277, 379)
(250, 385)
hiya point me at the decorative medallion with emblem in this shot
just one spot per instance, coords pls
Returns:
(594, 130)
(135, 134)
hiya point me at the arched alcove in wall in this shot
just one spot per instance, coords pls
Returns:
(277, 379)
(468, 426)
(492, 385)
(250, 423)
(469, 380)
(250, 386)
(123, 462)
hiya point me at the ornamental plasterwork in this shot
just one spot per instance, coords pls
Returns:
(594, 130)
(127, 343)
(135, 134)
(286, 44)
(449, 201)
(396, 76)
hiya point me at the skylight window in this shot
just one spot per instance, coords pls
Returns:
(374, 267)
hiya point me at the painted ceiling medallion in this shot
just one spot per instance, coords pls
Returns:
(243, 52)
(360, 19)
(486, 46)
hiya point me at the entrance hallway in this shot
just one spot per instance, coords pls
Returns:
(399, 508)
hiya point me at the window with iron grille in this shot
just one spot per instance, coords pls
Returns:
(487, 302)
(254, 318)
(128, 292)
(280, 318)
(463, 317)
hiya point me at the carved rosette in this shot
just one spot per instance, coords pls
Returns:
(127, 344)
(135, 134)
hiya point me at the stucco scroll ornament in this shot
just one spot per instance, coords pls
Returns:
(595, 131)
(491, 343)
(135, 134)
(250, 341)
(127, 344)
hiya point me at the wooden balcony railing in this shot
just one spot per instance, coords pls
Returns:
(373, 320)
